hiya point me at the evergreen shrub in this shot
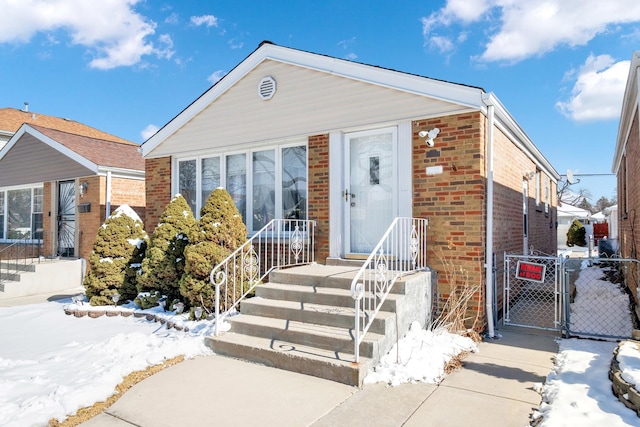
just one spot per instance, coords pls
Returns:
(221, 231)
(164, 261)
(115, 261)
(576, 234)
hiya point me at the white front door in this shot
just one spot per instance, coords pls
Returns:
(370, 194)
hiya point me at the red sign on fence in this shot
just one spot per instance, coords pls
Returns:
(531, 271)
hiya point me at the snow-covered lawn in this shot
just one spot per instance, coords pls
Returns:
(52, 364)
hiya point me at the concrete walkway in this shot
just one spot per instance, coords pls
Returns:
(495, 387)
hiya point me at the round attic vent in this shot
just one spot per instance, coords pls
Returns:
(267, 88)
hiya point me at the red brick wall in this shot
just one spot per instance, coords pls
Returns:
(510, 166)
(453, 201)
(158, 190)
(629, 202)
(318, 191)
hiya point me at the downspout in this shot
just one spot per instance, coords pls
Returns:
(488, 263)
(107, 204)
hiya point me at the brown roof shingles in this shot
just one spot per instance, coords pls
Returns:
(99, 151)
(11, 119)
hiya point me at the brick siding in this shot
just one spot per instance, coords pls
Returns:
(318, 191)
(629, 203)
(158, 190)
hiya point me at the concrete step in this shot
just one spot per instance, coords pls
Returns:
(317, 295)
(333, 276)
(328, 364)
(341, 317)
(29, 265)
(305, 333)
(5, 276)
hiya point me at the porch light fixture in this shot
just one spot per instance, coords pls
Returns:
(83, 188)
(430, 135)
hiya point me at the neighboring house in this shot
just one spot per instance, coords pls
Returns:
(566, 215)
(60, 179)
(293, 134)
(626, 166)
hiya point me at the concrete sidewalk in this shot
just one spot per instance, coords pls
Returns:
(495, 387)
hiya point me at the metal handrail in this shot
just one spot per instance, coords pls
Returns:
(401, 250)
(280, 243)
(23, 252)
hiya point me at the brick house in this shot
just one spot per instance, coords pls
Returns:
(60, 179)
(293, 134)
(626, 166)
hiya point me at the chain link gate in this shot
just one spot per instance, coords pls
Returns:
(581, 297)
(533, 294)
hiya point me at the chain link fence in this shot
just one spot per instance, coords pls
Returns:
(600, 302)
(581, 297)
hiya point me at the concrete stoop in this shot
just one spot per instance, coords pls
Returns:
(302, 320)
(42, 277)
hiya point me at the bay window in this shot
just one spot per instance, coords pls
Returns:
(265, 183)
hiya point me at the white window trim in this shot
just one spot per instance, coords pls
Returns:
(248, 152)
(6, 209)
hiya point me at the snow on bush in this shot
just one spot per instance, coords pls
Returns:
(114, 261)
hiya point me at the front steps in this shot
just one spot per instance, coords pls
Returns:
(303, 320)
(40, 276)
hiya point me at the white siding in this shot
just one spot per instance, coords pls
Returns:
(307, 102)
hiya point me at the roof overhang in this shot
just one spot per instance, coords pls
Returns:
(630, 106)
(30, 157)
(511, 128)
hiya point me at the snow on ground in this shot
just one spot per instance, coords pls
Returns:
(420, 356)
(599, 303)
(578, 390)
(52, 364)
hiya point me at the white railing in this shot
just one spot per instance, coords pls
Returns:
(401, 250)
(280, 243)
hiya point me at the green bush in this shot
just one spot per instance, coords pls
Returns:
(164, 261)
(115, 261)
(221, 231)
(576, 234)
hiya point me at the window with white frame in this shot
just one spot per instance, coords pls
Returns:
(21, 213)
(265, 183)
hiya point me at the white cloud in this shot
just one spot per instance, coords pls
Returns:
(149, 131)
(598, 90)
(112, 31)
(206, 20)
(235, 44)
(216, 76)
(520, 29)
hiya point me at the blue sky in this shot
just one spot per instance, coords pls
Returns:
(129, 66)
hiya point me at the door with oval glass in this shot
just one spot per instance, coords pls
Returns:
(370, 202)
